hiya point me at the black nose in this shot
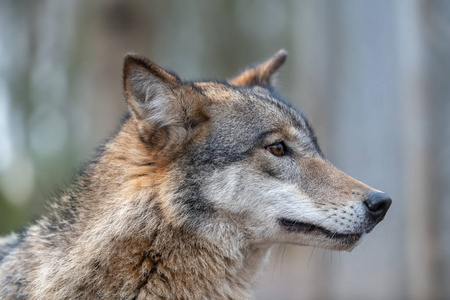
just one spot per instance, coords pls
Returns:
(378, 204)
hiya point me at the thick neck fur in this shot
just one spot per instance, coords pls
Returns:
(119, 237)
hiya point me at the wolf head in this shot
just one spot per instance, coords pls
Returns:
(238, 165)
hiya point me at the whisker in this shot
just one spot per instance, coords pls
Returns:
(276, 260)
(282, 259)
(331, 259)
(309, 261)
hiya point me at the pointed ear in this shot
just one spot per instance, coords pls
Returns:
(146, 85)
(263, 74)
(163, 107)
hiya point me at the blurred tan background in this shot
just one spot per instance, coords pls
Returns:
(372, 76)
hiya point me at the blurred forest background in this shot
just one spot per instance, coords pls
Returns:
(372, 76)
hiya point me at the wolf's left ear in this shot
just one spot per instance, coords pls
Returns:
(262, 74)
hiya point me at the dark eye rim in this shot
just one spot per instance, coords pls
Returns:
(283, 145)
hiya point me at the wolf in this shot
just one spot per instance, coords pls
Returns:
(188, 197)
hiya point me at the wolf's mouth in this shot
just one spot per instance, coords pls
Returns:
(292, 225)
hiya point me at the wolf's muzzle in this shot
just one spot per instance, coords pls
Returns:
(377, 206)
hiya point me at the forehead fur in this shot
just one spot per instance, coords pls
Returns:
(256, 99)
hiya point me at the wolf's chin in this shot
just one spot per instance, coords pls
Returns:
(344, 241)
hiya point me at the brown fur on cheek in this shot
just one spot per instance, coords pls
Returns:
(148, 171)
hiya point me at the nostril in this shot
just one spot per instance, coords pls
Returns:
(378, 204)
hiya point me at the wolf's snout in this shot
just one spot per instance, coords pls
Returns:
(378, 204)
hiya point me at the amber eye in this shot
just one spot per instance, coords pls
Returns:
(277, 149)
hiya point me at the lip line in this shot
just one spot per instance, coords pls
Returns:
(295, 226)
